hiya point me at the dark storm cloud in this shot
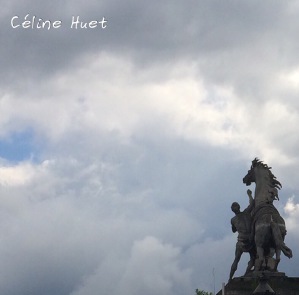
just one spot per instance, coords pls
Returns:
(221, 36)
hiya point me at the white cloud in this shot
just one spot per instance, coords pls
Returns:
(292, 210)
(154, 269)
(151, 268)
(19, 174)
(290, 79)
(72, 220)
(108, 95)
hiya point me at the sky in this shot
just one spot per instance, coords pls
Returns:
(122, 146)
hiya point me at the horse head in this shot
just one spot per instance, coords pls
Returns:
(267, 183)
(250, 176)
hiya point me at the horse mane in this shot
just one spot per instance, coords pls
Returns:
(274, 183)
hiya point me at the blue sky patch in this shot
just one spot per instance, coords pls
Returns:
(18, 146)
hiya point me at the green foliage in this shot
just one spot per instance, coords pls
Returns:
(201, 292)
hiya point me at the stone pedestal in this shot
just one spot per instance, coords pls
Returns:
(281, 284)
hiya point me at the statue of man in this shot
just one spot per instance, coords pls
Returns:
(242, 223)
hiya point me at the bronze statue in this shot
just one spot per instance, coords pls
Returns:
(261, 229)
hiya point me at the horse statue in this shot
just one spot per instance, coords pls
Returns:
(269, 228)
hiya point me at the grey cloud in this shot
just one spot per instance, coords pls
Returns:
(225, 38)
(84, 220)
(78, 216)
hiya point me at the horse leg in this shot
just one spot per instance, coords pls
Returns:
(279, 240)
(261, 234)
(277, 258)
(260, 258)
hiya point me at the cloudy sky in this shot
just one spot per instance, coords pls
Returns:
(123, 146)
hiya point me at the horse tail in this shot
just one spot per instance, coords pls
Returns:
(279, 239)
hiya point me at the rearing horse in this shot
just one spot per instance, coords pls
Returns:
(268, 226)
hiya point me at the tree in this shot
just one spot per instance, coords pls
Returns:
(201, 292)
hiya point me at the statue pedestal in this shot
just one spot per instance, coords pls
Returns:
(280, 283)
